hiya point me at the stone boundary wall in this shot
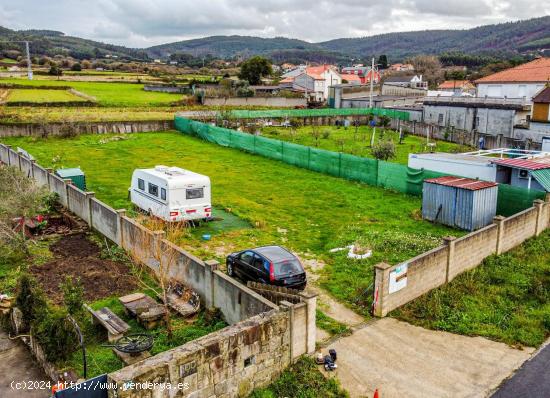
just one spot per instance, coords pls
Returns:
(229, 363)
(78, 128)
(276, 102)
(442, 264)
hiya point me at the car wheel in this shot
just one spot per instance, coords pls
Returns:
(230, 270)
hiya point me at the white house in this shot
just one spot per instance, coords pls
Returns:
(523, 81)
(315, 80)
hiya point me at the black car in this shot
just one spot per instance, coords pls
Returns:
(273, 265)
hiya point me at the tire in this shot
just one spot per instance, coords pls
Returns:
(230, 270)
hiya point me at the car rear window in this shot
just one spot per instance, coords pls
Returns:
(286, 267)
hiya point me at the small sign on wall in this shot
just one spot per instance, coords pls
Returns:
(398, 278)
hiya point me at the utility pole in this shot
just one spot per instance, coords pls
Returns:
(29, 65)
(371, 83)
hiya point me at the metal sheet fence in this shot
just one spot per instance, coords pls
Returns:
(288, 113)
(374, 172)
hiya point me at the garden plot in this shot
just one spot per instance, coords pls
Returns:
(357, 141)
(39, 96)
(308, 212)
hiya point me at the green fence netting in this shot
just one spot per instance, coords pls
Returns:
(373, 172)
(288, 113)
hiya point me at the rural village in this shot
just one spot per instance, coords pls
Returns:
(241, 216)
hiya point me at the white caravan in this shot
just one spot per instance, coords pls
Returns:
(171, 193)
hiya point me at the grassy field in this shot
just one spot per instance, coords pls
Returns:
(38, 96)
(109, 94)
(507, 298)
(308, 212)
(358, 142)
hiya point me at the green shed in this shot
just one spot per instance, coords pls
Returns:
(75, 175)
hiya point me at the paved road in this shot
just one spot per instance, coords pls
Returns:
(531, 380)
(16, 365)
(402, 360)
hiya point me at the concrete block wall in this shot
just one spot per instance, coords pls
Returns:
(439, 266)
(104, 219)
(79, 202)
(470, 250)
(229, 363)
(40, 174)
(26, 166)
(58, 185)
(517, 228)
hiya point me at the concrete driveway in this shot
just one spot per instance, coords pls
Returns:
(402, 360)
(16, 365)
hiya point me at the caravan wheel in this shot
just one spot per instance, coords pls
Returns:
(230, 271)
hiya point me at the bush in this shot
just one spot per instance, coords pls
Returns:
(55, 334)
(55, 71)
(76, 67)
(30, 299)
(73, 293)
(384, 150)
(326, 134)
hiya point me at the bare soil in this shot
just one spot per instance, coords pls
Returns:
(78, 257)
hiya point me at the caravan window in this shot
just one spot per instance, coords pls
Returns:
(163, 194)
(195, 193)
(153, 189)
(141, 184)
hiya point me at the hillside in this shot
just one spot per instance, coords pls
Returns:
(51, 43)
(506, 38)
(498, 40)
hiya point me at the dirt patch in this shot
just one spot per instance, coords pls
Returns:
(78, 246)
(78, 257)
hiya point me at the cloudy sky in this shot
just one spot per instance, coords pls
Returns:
(142, 23)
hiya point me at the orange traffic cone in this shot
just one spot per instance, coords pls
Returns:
(376, 394)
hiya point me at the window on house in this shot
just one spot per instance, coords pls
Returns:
(440, 118)
(141, 184)
(163, 194)
(153, 189)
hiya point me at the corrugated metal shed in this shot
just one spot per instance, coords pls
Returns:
(459, 202)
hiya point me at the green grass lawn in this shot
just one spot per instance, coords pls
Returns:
(340, 139)
(108, 94)
(308, 212)
(507, 298)
(39, 96)
(8, 61)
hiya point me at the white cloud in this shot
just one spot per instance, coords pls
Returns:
(142, 23)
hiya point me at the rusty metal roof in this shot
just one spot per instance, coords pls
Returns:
(528, 164)
(464, 183)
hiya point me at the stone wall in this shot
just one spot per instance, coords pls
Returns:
(276, 102)
(229, 363)
(77, 128)
(440, 265)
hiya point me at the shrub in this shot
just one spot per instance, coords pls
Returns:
(30, 298)
(55, 334)
(76, 67)
(326, 134)
(384, 150)
(73, 293)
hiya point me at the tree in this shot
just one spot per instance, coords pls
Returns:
(383, 61)
(383, 150)
(55, 71)
(254, 69)
(429, 67)
(76, 67)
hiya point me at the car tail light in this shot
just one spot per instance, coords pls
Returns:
(208, 209)
(174, 213)
(271, 272)
(190, 211)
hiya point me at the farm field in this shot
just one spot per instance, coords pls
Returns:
(340, 139)
(41, 95)
(108, 94)
(507, 298)
(308, 212)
